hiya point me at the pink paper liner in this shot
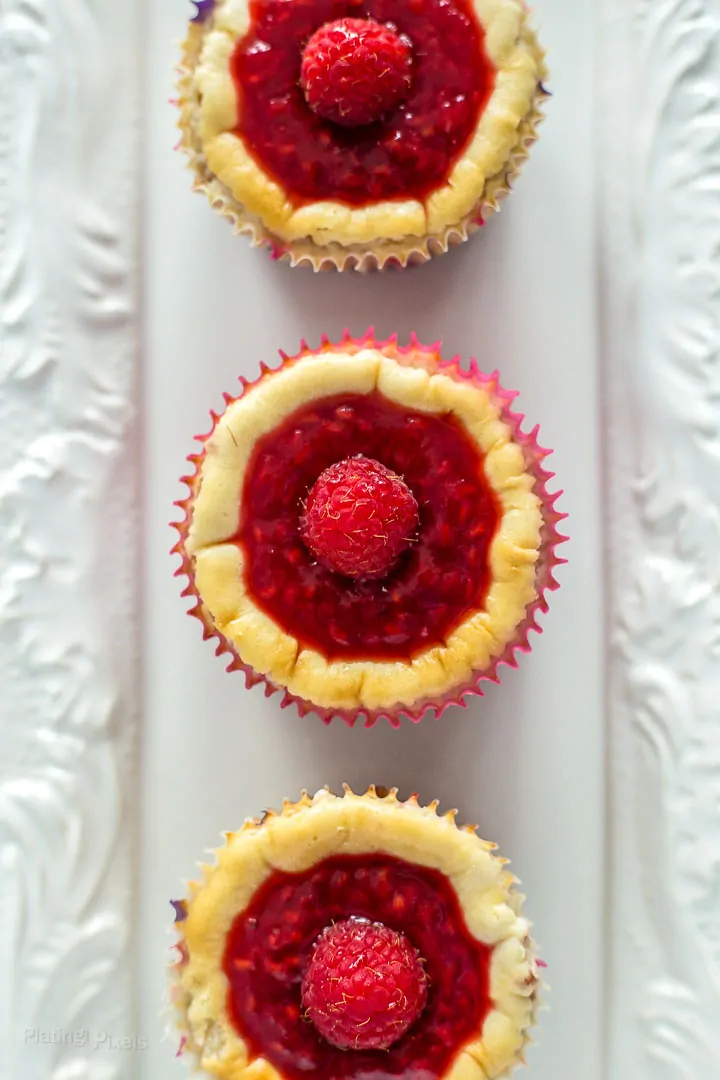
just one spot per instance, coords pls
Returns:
(550, 538)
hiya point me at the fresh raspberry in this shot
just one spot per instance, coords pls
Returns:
(359, 517)
(355, 70)
(364, 986)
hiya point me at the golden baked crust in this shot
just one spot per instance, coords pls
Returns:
(312, 830)
(239, 187)
(415, 379)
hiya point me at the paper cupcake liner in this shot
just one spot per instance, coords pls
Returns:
(548, 560)
(380, 255)
(177, 1000)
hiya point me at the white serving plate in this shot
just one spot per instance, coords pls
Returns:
(126, 310)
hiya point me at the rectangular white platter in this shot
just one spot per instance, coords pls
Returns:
(127, 308)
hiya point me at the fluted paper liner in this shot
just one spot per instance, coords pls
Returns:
(178, 1000)
(379, 255)
(548, 560)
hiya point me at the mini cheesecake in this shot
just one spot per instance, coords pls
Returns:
(369, 530)
(354, 938)
(346, 135)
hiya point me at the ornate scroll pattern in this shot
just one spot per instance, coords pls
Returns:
(68, 671)
(659, 114)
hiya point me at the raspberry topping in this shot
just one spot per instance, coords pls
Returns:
(441, 577)
(359, 517)
(355, 70)
(411, 148)
(364, 986)
(271, 943)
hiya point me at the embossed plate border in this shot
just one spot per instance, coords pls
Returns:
(69, 215)
(659, 177)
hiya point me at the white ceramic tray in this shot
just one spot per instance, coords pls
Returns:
(126, 308)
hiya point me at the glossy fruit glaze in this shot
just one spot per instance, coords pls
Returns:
(408, 154)
(269, 946)
(435, 583)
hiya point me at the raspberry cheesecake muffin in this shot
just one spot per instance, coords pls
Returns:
(354, 938)
(369, 530)
(347, 134)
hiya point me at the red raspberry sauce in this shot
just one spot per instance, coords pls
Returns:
(407, 155)
(269, 946)
(435, 583)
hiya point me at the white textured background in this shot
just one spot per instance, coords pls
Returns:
(69, 513)
(126, 309)
(660, 266)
